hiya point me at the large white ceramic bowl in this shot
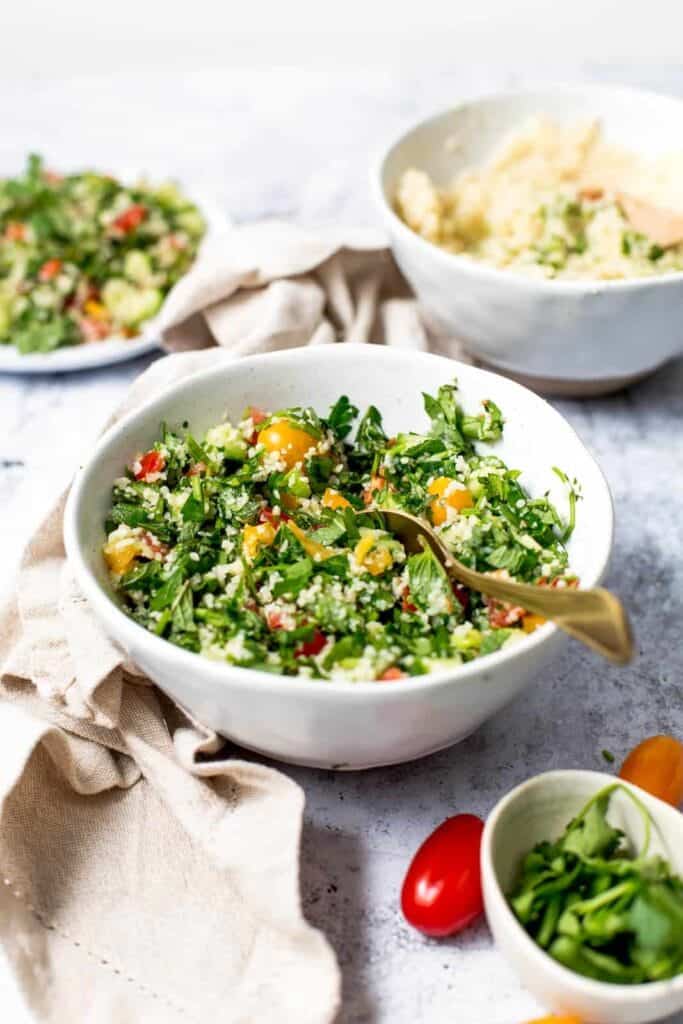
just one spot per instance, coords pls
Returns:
(540, 809)
(571, 337)
(332, 724)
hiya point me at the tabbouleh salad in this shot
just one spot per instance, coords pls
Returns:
(244, 545)
(83, 257)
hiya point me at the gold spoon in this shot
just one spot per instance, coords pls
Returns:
(595, 617)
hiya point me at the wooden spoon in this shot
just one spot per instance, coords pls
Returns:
(595, 617)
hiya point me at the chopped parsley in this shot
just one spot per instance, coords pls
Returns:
(253, 543)
(598, 908)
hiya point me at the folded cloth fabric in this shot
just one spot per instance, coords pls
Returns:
(273, 285)
(144, 875)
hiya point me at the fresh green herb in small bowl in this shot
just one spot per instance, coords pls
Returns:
(599, 909)
(591, 920)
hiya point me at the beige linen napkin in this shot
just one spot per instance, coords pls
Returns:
(144, 877)
(273, 285)
(140, 879)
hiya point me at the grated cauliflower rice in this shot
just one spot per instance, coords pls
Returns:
(547, 205)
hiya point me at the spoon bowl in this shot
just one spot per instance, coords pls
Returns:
(595, 617)
(540, 809)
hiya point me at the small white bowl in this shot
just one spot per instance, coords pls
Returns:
(562, 337)
(335, 724)
(540, 809)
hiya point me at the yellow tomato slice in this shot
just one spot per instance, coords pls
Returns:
(445, 495)
(291, 443)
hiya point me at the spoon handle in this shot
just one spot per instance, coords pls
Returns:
(596, 617)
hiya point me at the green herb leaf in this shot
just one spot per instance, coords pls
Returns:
(341, 417)
(294, 577)
(590, 835)
(430, 587)
(371, 437)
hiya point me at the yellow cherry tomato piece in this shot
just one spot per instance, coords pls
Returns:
(531, 622)
(656, 765)
(374, 559)
(333, 499)
(96, 310)
(447, 496)
(378, 561)
(255, 537)
(552, 1019)
(318, 552)
(120, 553)
(291, 443)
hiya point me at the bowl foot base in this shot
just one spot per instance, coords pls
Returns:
(347, 766)
(560, 387)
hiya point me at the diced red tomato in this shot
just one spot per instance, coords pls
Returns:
(309, 648)
(406, 604)
(196, 469)
(15, 231)
(49, 270)
(257, 416)
(152, 542)
(148, 465)
(93, 329)
(266, 515)
(274, 620)
(462, 594)
(131, 218)
(558, 582)
(377, 483)
(441, 893)
(391, 674)
(502, 615)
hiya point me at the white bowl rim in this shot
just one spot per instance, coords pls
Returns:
(589, 987)
(483, 270)
(133, 631)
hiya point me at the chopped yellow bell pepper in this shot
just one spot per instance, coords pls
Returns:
(318, 552)
(96, 310)
(255, 537)
(333, 499)
(120, 553)
(376, 559)
(531, 622)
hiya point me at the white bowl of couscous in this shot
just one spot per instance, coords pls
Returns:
(507, 215)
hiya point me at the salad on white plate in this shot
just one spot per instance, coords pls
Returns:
(86, 263)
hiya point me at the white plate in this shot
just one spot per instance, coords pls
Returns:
(94, 354)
